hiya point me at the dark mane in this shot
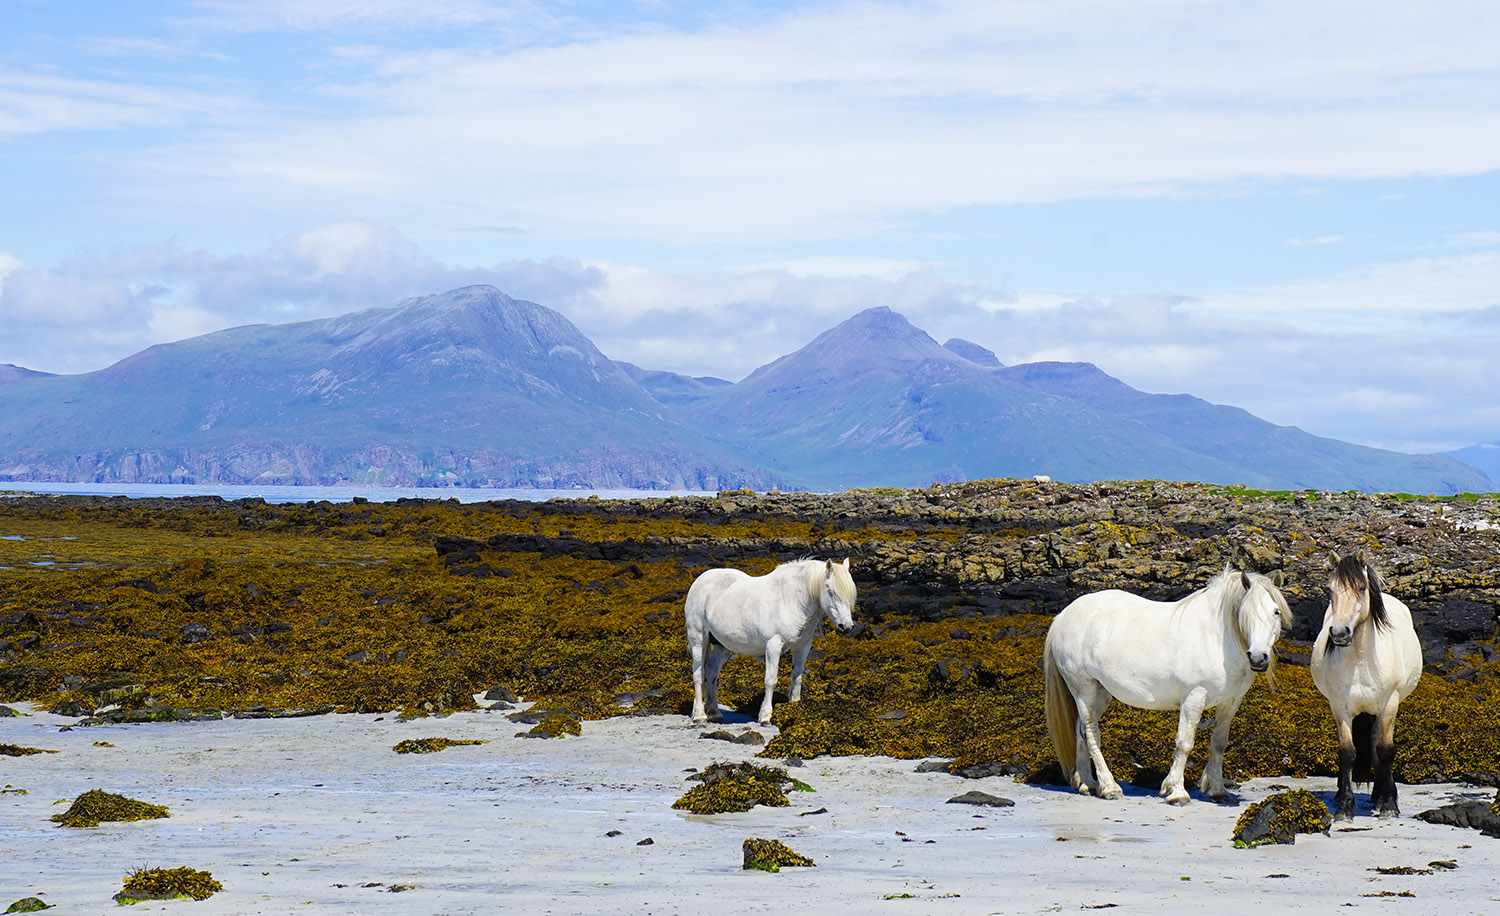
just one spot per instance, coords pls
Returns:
(1355, 573)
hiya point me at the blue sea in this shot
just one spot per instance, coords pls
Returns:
(284, 494)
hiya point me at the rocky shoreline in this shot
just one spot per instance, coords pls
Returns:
(170, 608)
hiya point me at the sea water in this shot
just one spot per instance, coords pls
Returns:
(294, 494)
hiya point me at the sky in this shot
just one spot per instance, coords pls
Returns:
(1289, 207)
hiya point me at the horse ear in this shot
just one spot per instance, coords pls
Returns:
(1245, 580)
(1278, 579)
(1333, 559)
(846, 562)
(829, 565)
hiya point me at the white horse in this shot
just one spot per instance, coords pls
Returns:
(1202, 651)
(1365, 660)
(731, 612)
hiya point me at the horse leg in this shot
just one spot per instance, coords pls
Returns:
(773, 664)
(1212, 781)
(1343, 799)
(1383, 792)
(1092, 702)
(799, 663)
(695, 649)
(717, 656)
(1172, 788)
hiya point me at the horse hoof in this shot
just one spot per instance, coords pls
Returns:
(1112, 794)
(1179, 800)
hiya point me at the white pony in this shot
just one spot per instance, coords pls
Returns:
(731, 612)
(1202, 651)
(1365, 660)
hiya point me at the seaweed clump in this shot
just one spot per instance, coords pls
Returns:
(17, 750)
(1280, 817)
(168, 884)
(97, 805)
(554, 726)
(772, 855)
(728, 787)
(432, 745)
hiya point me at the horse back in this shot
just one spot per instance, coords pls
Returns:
(709, 585)
(1146, 653)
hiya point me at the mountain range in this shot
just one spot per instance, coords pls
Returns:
(474, 388)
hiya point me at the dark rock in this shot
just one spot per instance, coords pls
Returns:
(794, 761)
(646, 842)
(501, 692)
(534, 715)
(934, 766)
(6, 712)
(891, 715)
(984, 770)
(983, 799)
(1475, 815)
(749, 737)
(808, 813)
(74, 708)
(28, 905)
(1280, 817)
(1294, 655)
(195, 633)
(358, 658)
(615, 833)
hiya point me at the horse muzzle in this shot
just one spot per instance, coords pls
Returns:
(852, 629)
(1258, 663)
(1340, 636)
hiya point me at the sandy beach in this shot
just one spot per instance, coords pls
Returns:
(319, 815)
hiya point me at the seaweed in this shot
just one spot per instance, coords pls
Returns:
(734, 787)
(168, 884)
(554, 726)
(1280, 817)
(772, 855)
(164, 609)
(19, 750)
(96, 805)
(432, 745)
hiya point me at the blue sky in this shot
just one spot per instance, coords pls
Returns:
(1288, 207)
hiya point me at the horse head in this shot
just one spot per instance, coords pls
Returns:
(1262, 616)
(1354, 596)
(838, 596)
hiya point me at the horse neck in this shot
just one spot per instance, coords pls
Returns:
(806, 585)
(1214, 609)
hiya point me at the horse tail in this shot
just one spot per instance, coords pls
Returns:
(1364, 746)
(1062, 716)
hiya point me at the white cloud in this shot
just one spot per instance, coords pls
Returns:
(827, 121)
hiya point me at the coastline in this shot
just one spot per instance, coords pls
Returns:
(318, 815)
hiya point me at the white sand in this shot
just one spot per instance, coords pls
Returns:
(298, 815)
